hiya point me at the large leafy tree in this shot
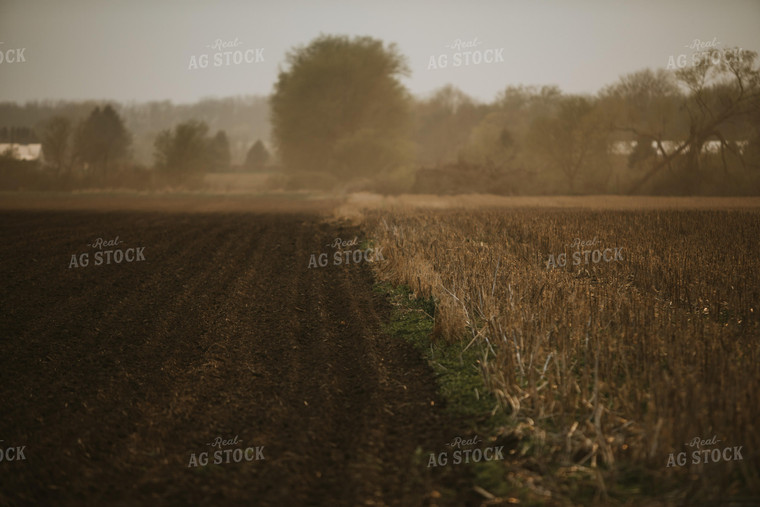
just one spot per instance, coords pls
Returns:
(340, 108)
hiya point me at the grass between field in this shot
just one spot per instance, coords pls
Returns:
(466, 399)
(460, 384)
(456, 370)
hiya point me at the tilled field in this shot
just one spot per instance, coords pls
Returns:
(114, 376)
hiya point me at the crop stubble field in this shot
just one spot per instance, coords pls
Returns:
(113, 375)
(604, 368)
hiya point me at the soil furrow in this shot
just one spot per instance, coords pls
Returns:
(113, 376)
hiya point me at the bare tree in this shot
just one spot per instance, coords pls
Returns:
(573, 141)
(721, 91)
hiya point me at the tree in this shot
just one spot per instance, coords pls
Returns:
(103, 139)
(645, 104)
(642, 153)
(501, 140)
(184, 152)
(220, 152)
(340, 107)
(57, 143)
(257, 157)
(443, 123)
(573, 141)
(525, 103)
(18, 135)
(721, 96)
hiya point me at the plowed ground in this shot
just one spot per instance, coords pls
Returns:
(112, 375)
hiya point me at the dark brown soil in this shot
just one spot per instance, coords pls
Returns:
(113, 375)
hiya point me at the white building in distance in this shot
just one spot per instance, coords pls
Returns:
(21, 151)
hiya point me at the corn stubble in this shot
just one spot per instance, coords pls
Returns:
(604, 369)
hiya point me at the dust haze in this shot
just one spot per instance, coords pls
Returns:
(391, 253)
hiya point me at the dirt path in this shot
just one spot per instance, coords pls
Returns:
(112, 376)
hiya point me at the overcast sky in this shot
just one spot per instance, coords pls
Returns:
(139, 50)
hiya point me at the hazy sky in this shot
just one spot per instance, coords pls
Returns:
(142, 50)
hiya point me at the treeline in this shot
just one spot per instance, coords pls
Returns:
(19, 135)
(647, 133)
(341, 119)
(97, 151)
(243, 119)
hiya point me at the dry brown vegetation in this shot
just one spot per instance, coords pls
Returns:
(604, 369)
